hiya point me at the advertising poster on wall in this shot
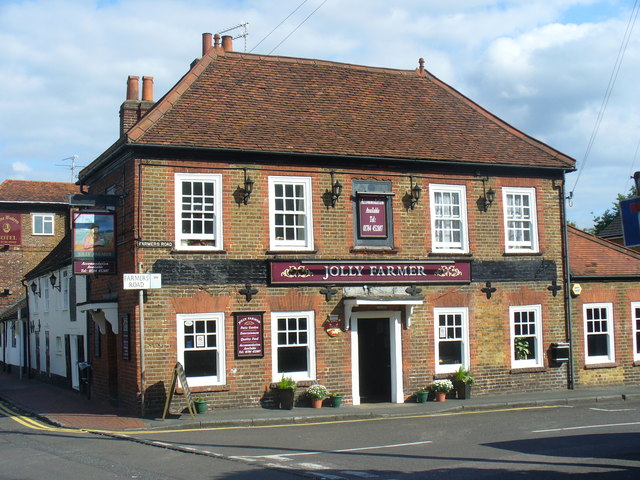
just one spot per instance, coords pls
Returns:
(94, 248)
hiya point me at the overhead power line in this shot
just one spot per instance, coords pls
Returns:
(607, 95)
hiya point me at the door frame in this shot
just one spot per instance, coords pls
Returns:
(395, 340)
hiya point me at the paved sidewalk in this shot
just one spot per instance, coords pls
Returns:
(71, 409)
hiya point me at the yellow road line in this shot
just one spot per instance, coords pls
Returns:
(37, 425)
(357, 420)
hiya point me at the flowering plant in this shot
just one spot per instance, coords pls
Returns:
(317, 391)
(444, 385)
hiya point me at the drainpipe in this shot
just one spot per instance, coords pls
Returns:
(567, 290)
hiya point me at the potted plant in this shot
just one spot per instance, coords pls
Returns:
(441, 388)
(200, 404)
(285, 390)
(421, 395)
(336, 399)
(522, 348)
(317, 393)
(462, 381)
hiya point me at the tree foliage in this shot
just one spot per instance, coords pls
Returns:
(600, 222)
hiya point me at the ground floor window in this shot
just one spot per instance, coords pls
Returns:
(293, 337)
(452, 339)
(635, 319)
(201, 347)
(598, 332)
(526, 336)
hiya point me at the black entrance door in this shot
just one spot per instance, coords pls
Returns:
(374, 359)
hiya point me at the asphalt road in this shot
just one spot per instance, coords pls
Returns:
(590, 441)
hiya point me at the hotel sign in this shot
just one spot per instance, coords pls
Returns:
(10, 229)
(319, 272)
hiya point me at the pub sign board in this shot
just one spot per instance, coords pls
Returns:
(94, 249)
(249, 334)
(339, 272)
(10, 229)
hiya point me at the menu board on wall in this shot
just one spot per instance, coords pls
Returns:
(249, 334)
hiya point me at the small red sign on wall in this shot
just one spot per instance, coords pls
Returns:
(10, 229)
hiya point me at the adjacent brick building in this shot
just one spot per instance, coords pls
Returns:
(366, 228)
(33, 220)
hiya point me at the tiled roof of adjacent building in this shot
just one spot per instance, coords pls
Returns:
(247, 102)
(593, 256)
(36, 192)
(613, 230)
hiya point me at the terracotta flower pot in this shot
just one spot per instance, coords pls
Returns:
(316, 402)
(441, 396)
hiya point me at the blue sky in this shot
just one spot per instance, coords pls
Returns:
(541, 65)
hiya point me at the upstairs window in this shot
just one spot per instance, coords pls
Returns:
(520, 221)
(635, 319)
(42, 223)
(290, 218)
(198, 211)
(598, 333)
(448, 218)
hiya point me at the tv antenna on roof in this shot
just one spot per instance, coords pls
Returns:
(244, 34)
(73, 167)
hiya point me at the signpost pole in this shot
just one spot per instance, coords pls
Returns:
(142, 372)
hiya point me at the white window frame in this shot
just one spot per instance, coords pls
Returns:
(538, 360)
(45, 219)
(463, 245)
(595, 359)
(282, 244)
(464, 313)
(216, 237)
(517, 246)
(635, 329)
(218, 317)
(310, 373)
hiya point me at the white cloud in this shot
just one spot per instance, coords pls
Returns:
(542, 65)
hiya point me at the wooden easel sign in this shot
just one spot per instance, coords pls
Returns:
(178, 374)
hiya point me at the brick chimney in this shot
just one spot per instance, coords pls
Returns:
(133, 109)
(227, 43)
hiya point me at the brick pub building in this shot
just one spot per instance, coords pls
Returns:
(365, 228)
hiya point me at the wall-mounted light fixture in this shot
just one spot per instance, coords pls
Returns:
(336, 190)
(488, 196)
(53, 279)
(34, 289)
(416, 193)
(248, 187)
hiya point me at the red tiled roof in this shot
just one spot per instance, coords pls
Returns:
(277, 104)
(34, 191)
(593, 256)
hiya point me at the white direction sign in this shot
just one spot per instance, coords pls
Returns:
(136, 281)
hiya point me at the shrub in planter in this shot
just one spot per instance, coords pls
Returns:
(285, 390)
(462, 381)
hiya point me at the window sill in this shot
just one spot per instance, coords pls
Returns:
(372, 249)
(594, 366)
(205, 388)
(290, 252)
(517, 370)
(636, 363)
(522, 254)
(450, 254)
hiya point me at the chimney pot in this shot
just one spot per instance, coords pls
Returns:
(216, 39)
(421, 62)
(206, 43)
(132, 87)
(227, 43)
(147, 89)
